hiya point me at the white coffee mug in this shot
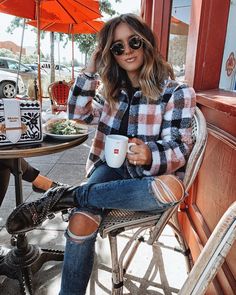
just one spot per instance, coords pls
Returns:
(116, 147)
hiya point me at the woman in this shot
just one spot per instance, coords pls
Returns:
(140, 102)
(40, 183)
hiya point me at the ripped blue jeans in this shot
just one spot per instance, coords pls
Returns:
(107, 188)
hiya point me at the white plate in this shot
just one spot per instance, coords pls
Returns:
(68, 137)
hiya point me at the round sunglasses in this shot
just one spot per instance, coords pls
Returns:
(134, 42)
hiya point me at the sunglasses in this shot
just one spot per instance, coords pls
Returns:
(134, 42)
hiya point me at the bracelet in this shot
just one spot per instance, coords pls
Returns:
(89, 75)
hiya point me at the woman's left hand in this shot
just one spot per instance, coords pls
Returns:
(141, 153)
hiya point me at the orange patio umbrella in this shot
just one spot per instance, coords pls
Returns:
(86, 27)
(67, 11)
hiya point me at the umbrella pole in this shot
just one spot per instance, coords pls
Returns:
(73, 57)
(19, 62)
(38, 43)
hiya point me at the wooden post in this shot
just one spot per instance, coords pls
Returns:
(73, 56)
(38, 44)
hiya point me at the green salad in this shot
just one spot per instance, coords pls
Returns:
(66, 127)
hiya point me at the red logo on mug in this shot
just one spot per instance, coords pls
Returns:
(116, 151)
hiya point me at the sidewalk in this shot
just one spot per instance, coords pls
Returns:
(155, 270)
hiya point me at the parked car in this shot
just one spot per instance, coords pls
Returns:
(62, 72)
(11, 65)
(34, 67)
(27, 73)
(8, 85)
(77, 69)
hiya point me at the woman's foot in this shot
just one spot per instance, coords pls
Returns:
(37, 189)
(42, 183)
(27, 216)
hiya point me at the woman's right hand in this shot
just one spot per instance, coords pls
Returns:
(91, 66)
(141, 153)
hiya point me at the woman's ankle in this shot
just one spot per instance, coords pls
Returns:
(42, 182)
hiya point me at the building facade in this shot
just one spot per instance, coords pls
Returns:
(12, 47)
(210, 67)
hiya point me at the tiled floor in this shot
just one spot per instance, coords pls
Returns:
(155, 270)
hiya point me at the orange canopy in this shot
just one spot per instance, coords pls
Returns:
(67, 11)
(86, 27)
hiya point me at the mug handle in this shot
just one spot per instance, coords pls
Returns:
(129, 146)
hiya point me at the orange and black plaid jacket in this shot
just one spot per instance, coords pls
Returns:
(163, 124)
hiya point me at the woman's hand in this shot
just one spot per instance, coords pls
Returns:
(141, 153)
(91, 66)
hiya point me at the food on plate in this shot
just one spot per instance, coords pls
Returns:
(65, 127)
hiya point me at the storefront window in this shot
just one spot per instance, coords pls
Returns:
(179, 27)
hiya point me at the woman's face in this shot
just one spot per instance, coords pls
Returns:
(131, 59)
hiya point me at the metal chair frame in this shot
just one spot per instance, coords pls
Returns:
(118, 221)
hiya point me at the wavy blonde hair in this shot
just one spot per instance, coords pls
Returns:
(153, 72)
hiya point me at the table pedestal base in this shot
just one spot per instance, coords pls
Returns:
(22, 262)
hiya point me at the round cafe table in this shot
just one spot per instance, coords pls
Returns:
(24, 259)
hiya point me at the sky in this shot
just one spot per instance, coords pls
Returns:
(181, 10)
(30, 37)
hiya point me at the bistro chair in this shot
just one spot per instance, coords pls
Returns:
(118, 221)
(213, 255)
(58, 94)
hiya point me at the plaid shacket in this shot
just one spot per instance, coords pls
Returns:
(163, 124)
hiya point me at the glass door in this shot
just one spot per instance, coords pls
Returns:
(179, 27)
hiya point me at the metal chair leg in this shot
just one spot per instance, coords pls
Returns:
(117, 273)
(184, 249)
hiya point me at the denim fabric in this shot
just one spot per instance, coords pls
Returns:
(107, 188)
